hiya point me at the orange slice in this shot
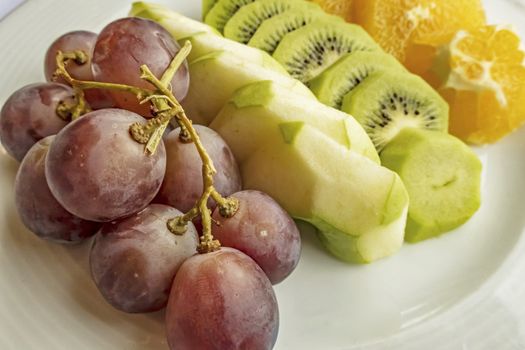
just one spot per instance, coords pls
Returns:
(482, 76)
(342, 8)
(411, 30)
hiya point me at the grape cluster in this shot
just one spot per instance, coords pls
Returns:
(93, 164)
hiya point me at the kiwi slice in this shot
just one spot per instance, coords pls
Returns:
(346, 74)
(271, 32)
(442, 176)
(308, 51)
(207, 5)
(387, 102)
(222, 11)
(247, 20)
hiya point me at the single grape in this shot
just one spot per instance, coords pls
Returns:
(221, 300)
(182, 184)
(39, 210)
(133, 261)
(262, 230)
(98, 172)
(72, 41)
(29, 115)
(126, 44)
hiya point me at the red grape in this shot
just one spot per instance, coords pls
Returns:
(221, 300)
(133, 261)
(72, 41)
(77, 40)
(98, 172)
(264, 231)
(182, 184)
(30, 115)
(126, 44)
(39, 210)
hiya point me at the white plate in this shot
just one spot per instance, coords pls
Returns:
(462, 291)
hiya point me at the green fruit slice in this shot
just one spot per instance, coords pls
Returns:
(442, 176)
(207, 5)
(308, 51)
(387, 102)
(216, 76)
(243, 25)
(249, 120)
(207, 43)
(222, 11)
(358, 206)
(272, 31)
(333, 84)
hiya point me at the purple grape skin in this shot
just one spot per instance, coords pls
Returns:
(264, 231)
(133, 261)
(38, 209)
(98, 172)
(126, 44)
(221, 300)
(29, 115)
(182, 185)
(72, 41)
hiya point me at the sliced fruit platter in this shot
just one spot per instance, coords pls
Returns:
(209, 170)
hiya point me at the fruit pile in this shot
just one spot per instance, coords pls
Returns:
(346, 70)
(477, 68)
(302, 110)
(267, 118)
(99, 158)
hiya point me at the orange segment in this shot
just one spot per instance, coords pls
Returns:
(411, 30)
(342, 8)
(482, 76)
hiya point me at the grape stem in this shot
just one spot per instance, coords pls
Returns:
(165, 107)
(63, 58)
(79, 107)
(227, 206)
(151, 133)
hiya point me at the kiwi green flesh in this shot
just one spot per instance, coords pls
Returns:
(307, 52)
(243, 25)
(271, 31)
(442, 176)
(346, 74)
(387, 102)
(207, 5)
(222, 11)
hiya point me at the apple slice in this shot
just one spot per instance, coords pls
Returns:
(250, 118)
(205, 43)
(216, 76)
(358, 206)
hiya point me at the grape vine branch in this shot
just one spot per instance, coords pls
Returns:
(164, 107)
